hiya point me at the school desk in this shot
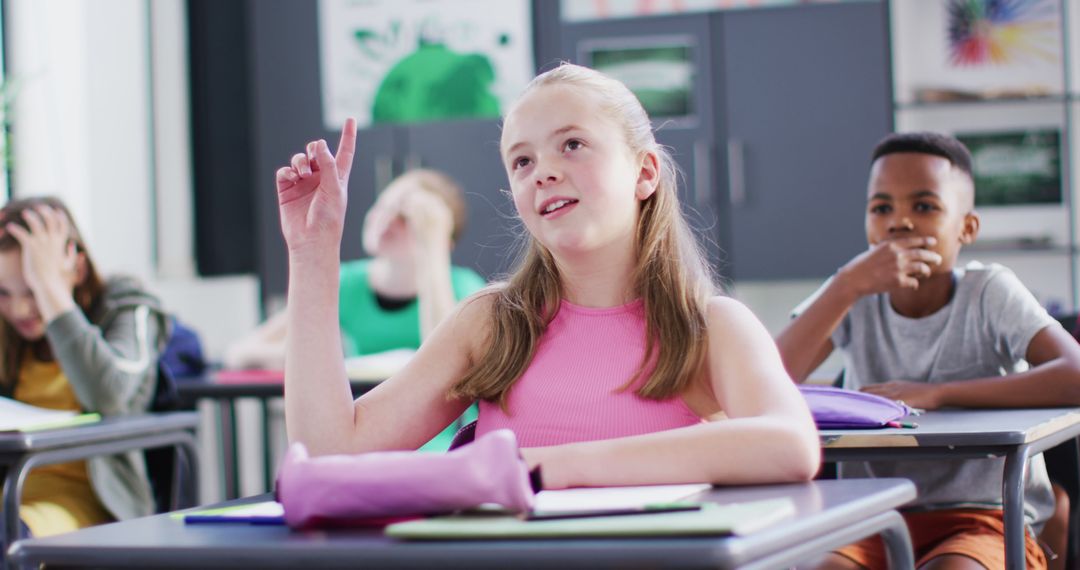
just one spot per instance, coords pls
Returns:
(21, 452)
(829, 514)
(224, 388)
(1015, 435)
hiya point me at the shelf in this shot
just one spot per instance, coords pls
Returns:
(1050, 99)
(1020, 245)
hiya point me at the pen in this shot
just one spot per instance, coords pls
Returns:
(902, 424)
(643, 510)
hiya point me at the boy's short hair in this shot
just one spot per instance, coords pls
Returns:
(937, 144)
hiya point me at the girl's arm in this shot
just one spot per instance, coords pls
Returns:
(113, 370)
(769, 436)
(401, 413)
(805, 343)
(1053, 380)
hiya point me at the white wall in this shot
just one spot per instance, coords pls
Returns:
(81, 120)
(101, 119)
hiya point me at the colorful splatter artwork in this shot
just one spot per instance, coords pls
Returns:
(996, 32)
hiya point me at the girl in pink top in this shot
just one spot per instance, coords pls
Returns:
(608, 351)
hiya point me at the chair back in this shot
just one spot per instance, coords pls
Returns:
(464, 436)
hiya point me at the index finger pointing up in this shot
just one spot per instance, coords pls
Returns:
(346, 148)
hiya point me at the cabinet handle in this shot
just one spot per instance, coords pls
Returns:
(702, 174)
(384, 171)
(736, 173)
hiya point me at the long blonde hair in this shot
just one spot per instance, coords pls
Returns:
(672, 276)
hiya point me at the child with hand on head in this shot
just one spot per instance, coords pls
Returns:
(607, 352)
(914, 327)
(395, 298)
(72, 341)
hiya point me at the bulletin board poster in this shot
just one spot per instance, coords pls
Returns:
(414, 61)
(946, 50)
(1014, 168)
(660, 74)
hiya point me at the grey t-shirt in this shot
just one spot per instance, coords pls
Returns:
(983, 331)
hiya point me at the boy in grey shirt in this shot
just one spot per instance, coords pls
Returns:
(913, 327)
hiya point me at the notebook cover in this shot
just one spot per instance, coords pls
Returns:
(711, 520)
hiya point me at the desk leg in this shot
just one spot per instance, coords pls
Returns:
(268, 455)
(184, 441)
(889, 524)
(187, 454)
(897, 541)
(229, 448)
(1012, 491)
(9, 522)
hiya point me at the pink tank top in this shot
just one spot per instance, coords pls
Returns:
(571, 390)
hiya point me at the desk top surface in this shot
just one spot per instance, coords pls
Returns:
(108, 429)
(961, 428)
(822, 507)
(207, 387)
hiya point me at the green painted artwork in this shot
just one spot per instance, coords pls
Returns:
(436, 83)
(388, 62)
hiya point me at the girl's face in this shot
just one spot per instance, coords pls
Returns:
(17, 304)
(575, 182)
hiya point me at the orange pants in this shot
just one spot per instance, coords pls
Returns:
(975, 533)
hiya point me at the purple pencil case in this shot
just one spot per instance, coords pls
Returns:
(836, 408)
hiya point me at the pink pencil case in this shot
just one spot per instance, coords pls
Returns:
(333, 490)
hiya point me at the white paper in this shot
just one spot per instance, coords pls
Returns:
(17, 415)
(267, 509)
(378, 366)
(614, 497)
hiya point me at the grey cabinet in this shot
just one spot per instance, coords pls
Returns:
(776, 155)
(807, 95)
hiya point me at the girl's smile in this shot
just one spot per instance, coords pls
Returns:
(555, 207)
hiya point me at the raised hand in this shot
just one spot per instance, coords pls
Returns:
(891, 264)
(313, 192)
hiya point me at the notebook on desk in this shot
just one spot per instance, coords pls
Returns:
(17, 416)
(711, 520)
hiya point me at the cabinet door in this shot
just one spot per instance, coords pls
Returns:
(469, 152)
(807, 96)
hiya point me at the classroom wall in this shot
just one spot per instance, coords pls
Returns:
(100, 119)
(103, 120)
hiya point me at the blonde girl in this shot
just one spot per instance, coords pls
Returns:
(607, 351)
